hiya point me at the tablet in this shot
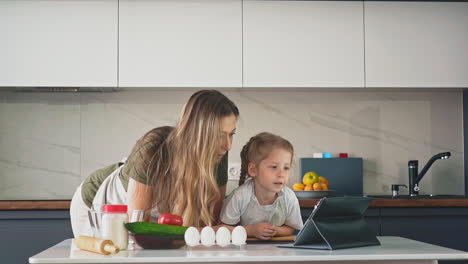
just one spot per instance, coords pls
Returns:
(336, 223)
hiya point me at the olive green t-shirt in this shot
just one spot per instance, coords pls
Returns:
(92, 183)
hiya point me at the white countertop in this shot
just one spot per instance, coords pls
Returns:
(393, 249)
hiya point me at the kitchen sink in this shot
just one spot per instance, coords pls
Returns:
(421, 196)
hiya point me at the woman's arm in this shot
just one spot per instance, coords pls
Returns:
(139, 197)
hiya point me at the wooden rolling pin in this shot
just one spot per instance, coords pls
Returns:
(96, 245)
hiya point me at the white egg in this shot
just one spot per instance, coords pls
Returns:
(192, 237)
(239, 235)
(207, 236)
(223, 236)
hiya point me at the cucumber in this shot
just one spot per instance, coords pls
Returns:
(145, 228)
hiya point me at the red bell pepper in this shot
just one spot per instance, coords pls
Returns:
(170, 219)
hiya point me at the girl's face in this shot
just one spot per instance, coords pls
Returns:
(228, 129)
(272, 173)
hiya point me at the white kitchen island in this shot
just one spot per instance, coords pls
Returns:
(393, 250)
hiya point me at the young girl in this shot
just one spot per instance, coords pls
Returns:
(264, 205)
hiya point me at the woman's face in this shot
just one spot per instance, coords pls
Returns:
(228, 129)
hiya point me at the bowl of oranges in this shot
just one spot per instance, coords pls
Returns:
(312, 186)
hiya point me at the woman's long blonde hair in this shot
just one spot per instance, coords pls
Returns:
(182, 171)
(258, 148)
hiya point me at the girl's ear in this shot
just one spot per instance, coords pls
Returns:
(252, 169)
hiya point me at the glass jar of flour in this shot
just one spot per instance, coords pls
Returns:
(113, 219)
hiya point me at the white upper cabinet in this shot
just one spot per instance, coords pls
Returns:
(58, 43)
(303, 43)
(183, 43)
(416, 44)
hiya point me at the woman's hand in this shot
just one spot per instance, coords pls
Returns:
(262, 231)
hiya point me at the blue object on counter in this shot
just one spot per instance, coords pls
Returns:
(327, 155)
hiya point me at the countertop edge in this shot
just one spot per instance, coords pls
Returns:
(35, 205)
(304, 203)
(402, 203)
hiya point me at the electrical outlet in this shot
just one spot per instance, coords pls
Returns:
(234, 171)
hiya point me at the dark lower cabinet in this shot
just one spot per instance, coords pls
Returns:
(26, 233)
(447, 227)
(372, 216)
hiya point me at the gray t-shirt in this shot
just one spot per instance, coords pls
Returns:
(242, 207)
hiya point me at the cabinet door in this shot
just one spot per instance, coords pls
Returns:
(303, 43)
(58, 43)
(26, 233)
(439, 226)
(416, 44)
(183, 43)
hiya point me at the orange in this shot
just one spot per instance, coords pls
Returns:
(308, 188)
(298, 186)
(323, 180)
(324, 187)
(317, 186)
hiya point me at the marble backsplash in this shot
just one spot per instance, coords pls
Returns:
(49, 142)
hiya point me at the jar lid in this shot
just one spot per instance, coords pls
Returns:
(114, 208)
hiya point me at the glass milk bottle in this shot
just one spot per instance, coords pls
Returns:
(113, 219)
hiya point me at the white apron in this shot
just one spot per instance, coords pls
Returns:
(111, 191)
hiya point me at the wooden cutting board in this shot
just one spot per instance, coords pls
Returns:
(275, 239)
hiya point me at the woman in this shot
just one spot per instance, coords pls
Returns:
(180, 170)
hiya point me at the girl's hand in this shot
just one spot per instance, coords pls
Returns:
(264, 231)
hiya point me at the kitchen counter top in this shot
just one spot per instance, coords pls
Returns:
(35, 205)
(393, 250)
(304, 203)
(402, 202)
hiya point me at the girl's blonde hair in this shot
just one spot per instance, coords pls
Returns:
(182, 170)
(258, 148)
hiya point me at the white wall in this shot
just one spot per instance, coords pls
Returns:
(49, 142)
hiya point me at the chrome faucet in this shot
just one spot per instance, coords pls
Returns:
(415, 178)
